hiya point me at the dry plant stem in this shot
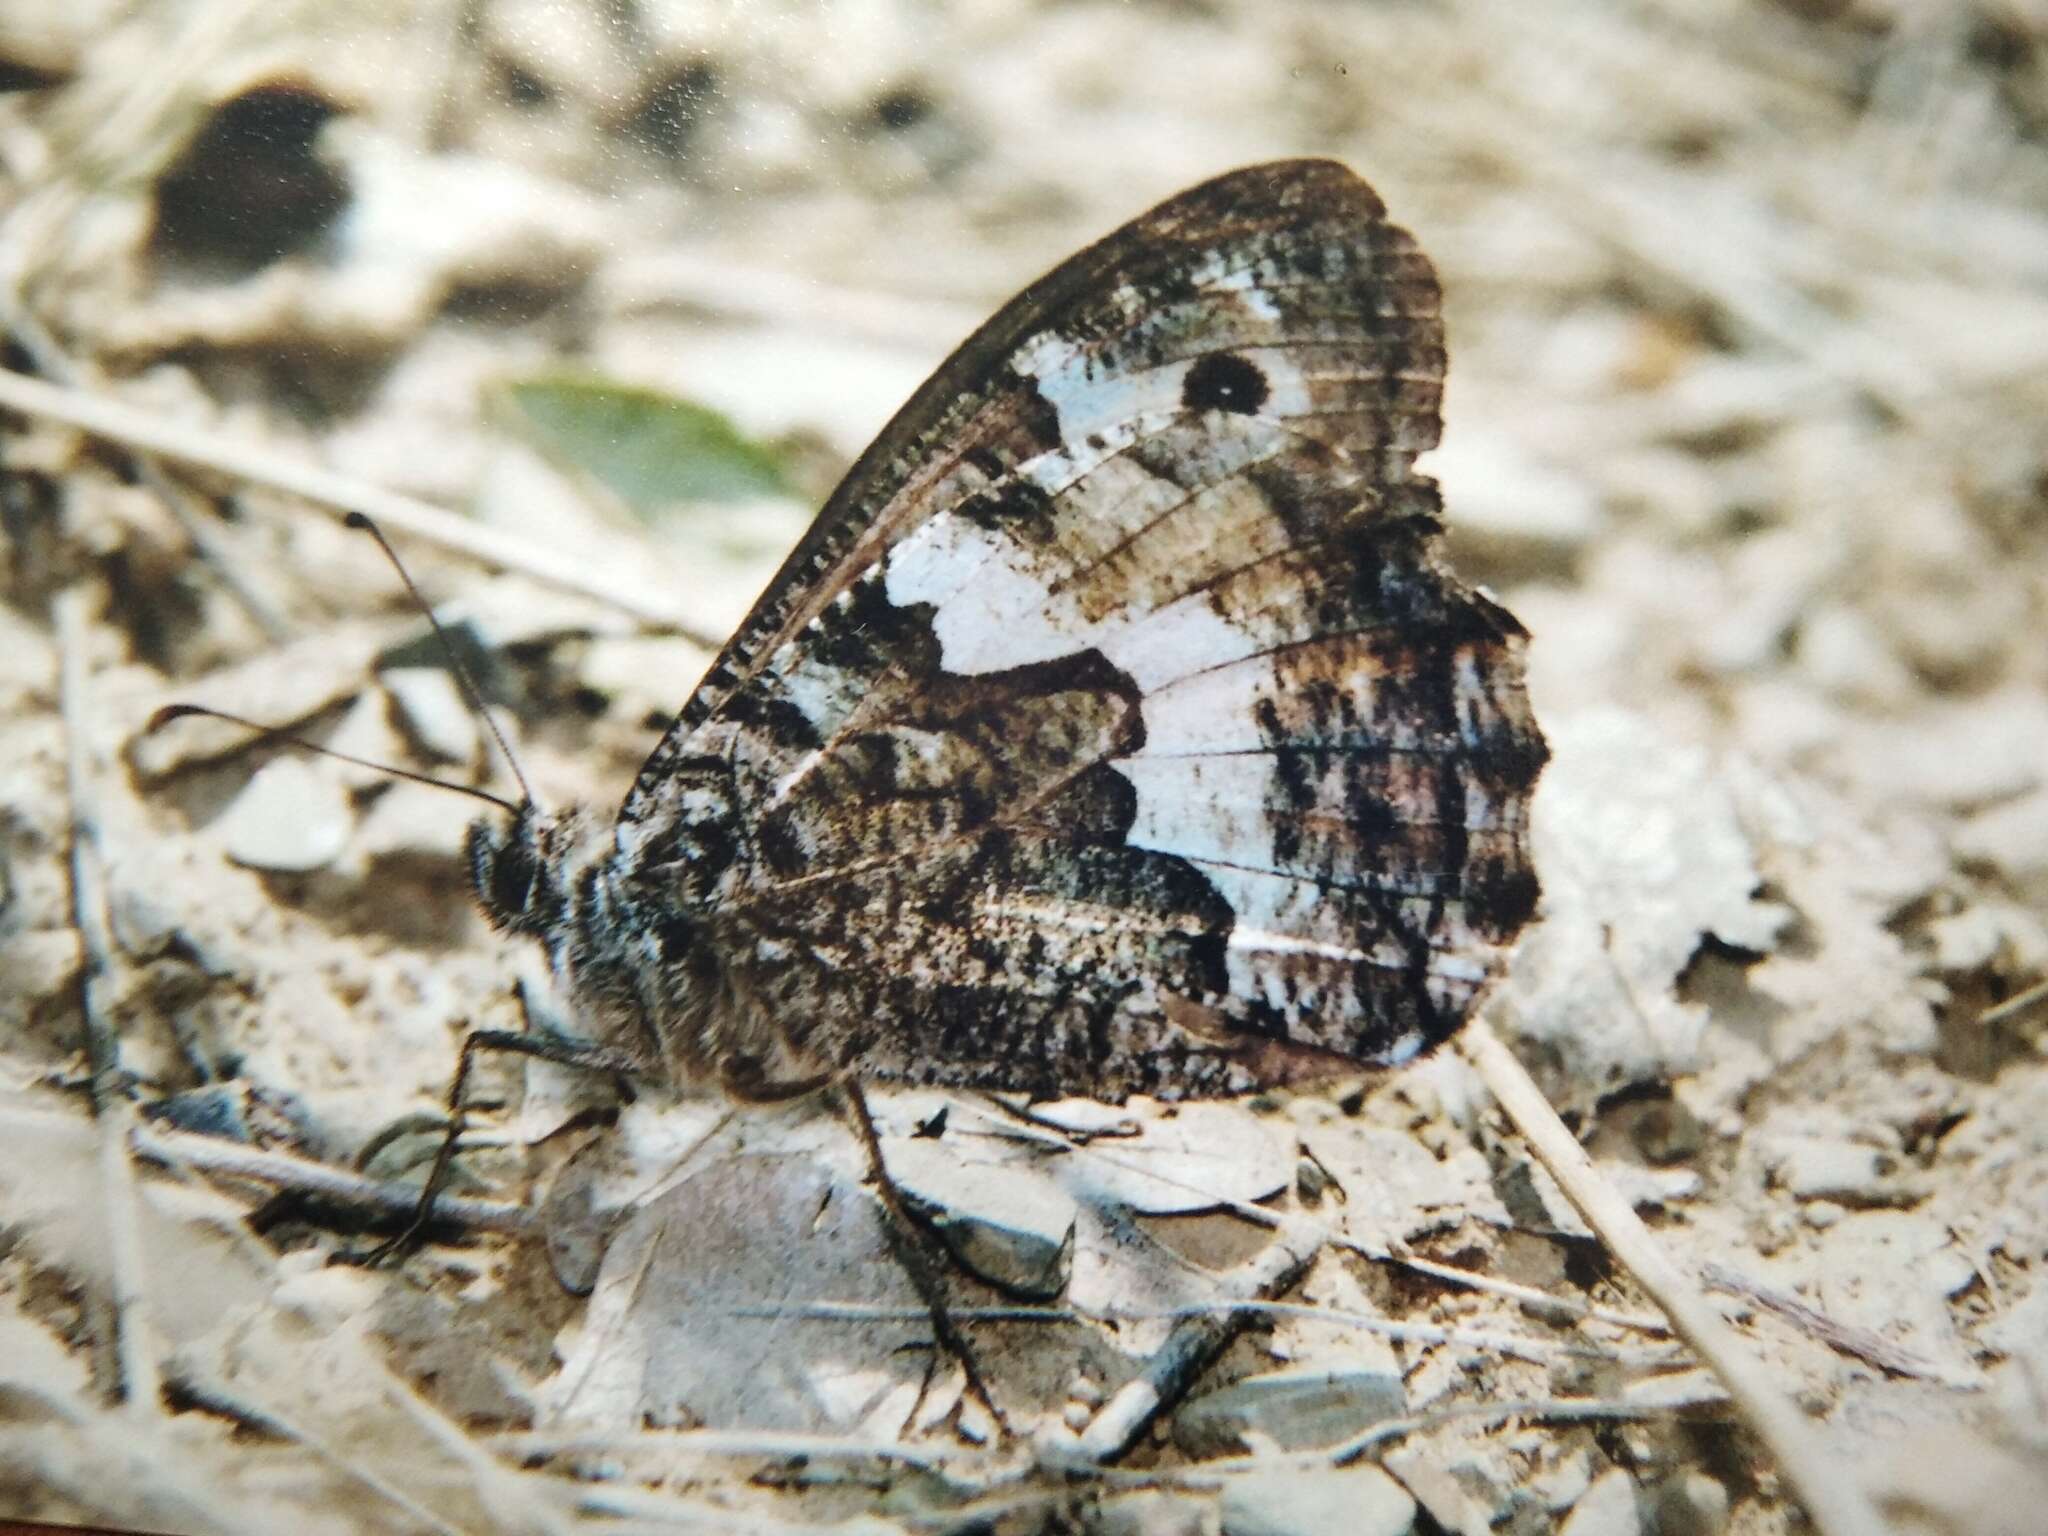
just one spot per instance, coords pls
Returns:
(1528, 1295)
(135, 1380)
(1833, 1500)
(909, 1251)
(2015, 1005)
(1216, 1472)
(281, 1170)
(672, 278)
(236, 1405)
(147, 433)
(680, 1443)
(1554, 1410)
(1857, 1343)
(1198, 1340)
(616, 1509)
(1536, 1351)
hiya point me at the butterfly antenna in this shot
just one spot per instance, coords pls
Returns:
(261, 732)
(362, 523)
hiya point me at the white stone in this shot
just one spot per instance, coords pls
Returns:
(1358, 1501)
(1828, 1168)
(415, 821)
(1298, 1409)
(1012, 1224)
(1608, 1508)
(1642, 850)
(1689, 1504)
(291, 817)
(1194, 1157)
(2011, 837)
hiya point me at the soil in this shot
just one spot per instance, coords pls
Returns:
(1748, 315)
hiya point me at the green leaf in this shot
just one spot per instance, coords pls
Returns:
(650, 449)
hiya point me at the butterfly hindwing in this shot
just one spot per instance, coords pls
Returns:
(1116, 727)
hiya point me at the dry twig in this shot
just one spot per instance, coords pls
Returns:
(146, 433)
(1561, 1307)
(1857, 1343)
(281, 1170)
(136, 1381)
(1199, 1339)
(2015, 1005)
(1834, 1500)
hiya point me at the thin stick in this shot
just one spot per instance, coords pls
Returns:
(527, 1443)
(2017, 1004)
(1832, 1497)
(281, 1170)
(1527, 1295)
(215, 1398)
(146, 432)
(1537, 1351)
(510, 1499)
(618, 1509)
(1858, 1343)
(1219, 1471)
(631, 285)
(136, 1381)
(1198, 1340)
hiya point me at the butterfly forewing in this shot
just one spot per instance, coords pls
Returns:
(1116, 727)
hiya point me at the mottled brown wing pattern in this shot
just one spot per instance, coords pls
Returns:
(1116, 728)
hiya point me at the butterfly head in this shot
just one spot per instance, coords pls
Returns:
(629, 966)
(523, 874)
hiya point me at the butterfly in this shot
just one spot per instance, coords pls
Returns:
(1116, 728)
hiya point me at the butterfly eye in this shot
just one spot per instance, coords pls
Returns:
(503, 872)
(512, 879)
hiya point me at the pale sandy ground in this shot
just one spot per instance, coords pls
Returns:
(1748, 307)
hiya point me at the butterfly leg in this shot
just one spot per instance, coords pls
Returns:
(910, 1252)
(576, 1054)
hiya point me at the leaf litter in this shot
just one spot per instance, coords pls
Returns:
(1770, 501)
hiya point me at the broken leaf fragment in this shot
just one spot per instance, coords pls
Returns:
(652, 450)
(717, 1303)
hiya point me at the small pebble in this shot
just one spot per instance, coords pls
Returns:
(1607, 1509)
(1825, 1168)
(1359, 1501)
(290, 818)
(1296, 1409)
(1822, 1214)
(1689, 1504)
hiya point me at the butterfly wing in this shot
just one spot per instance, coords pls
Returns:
(1116, 727)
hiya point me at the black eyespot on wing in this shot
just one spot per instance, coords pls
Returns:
(1223, 381)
